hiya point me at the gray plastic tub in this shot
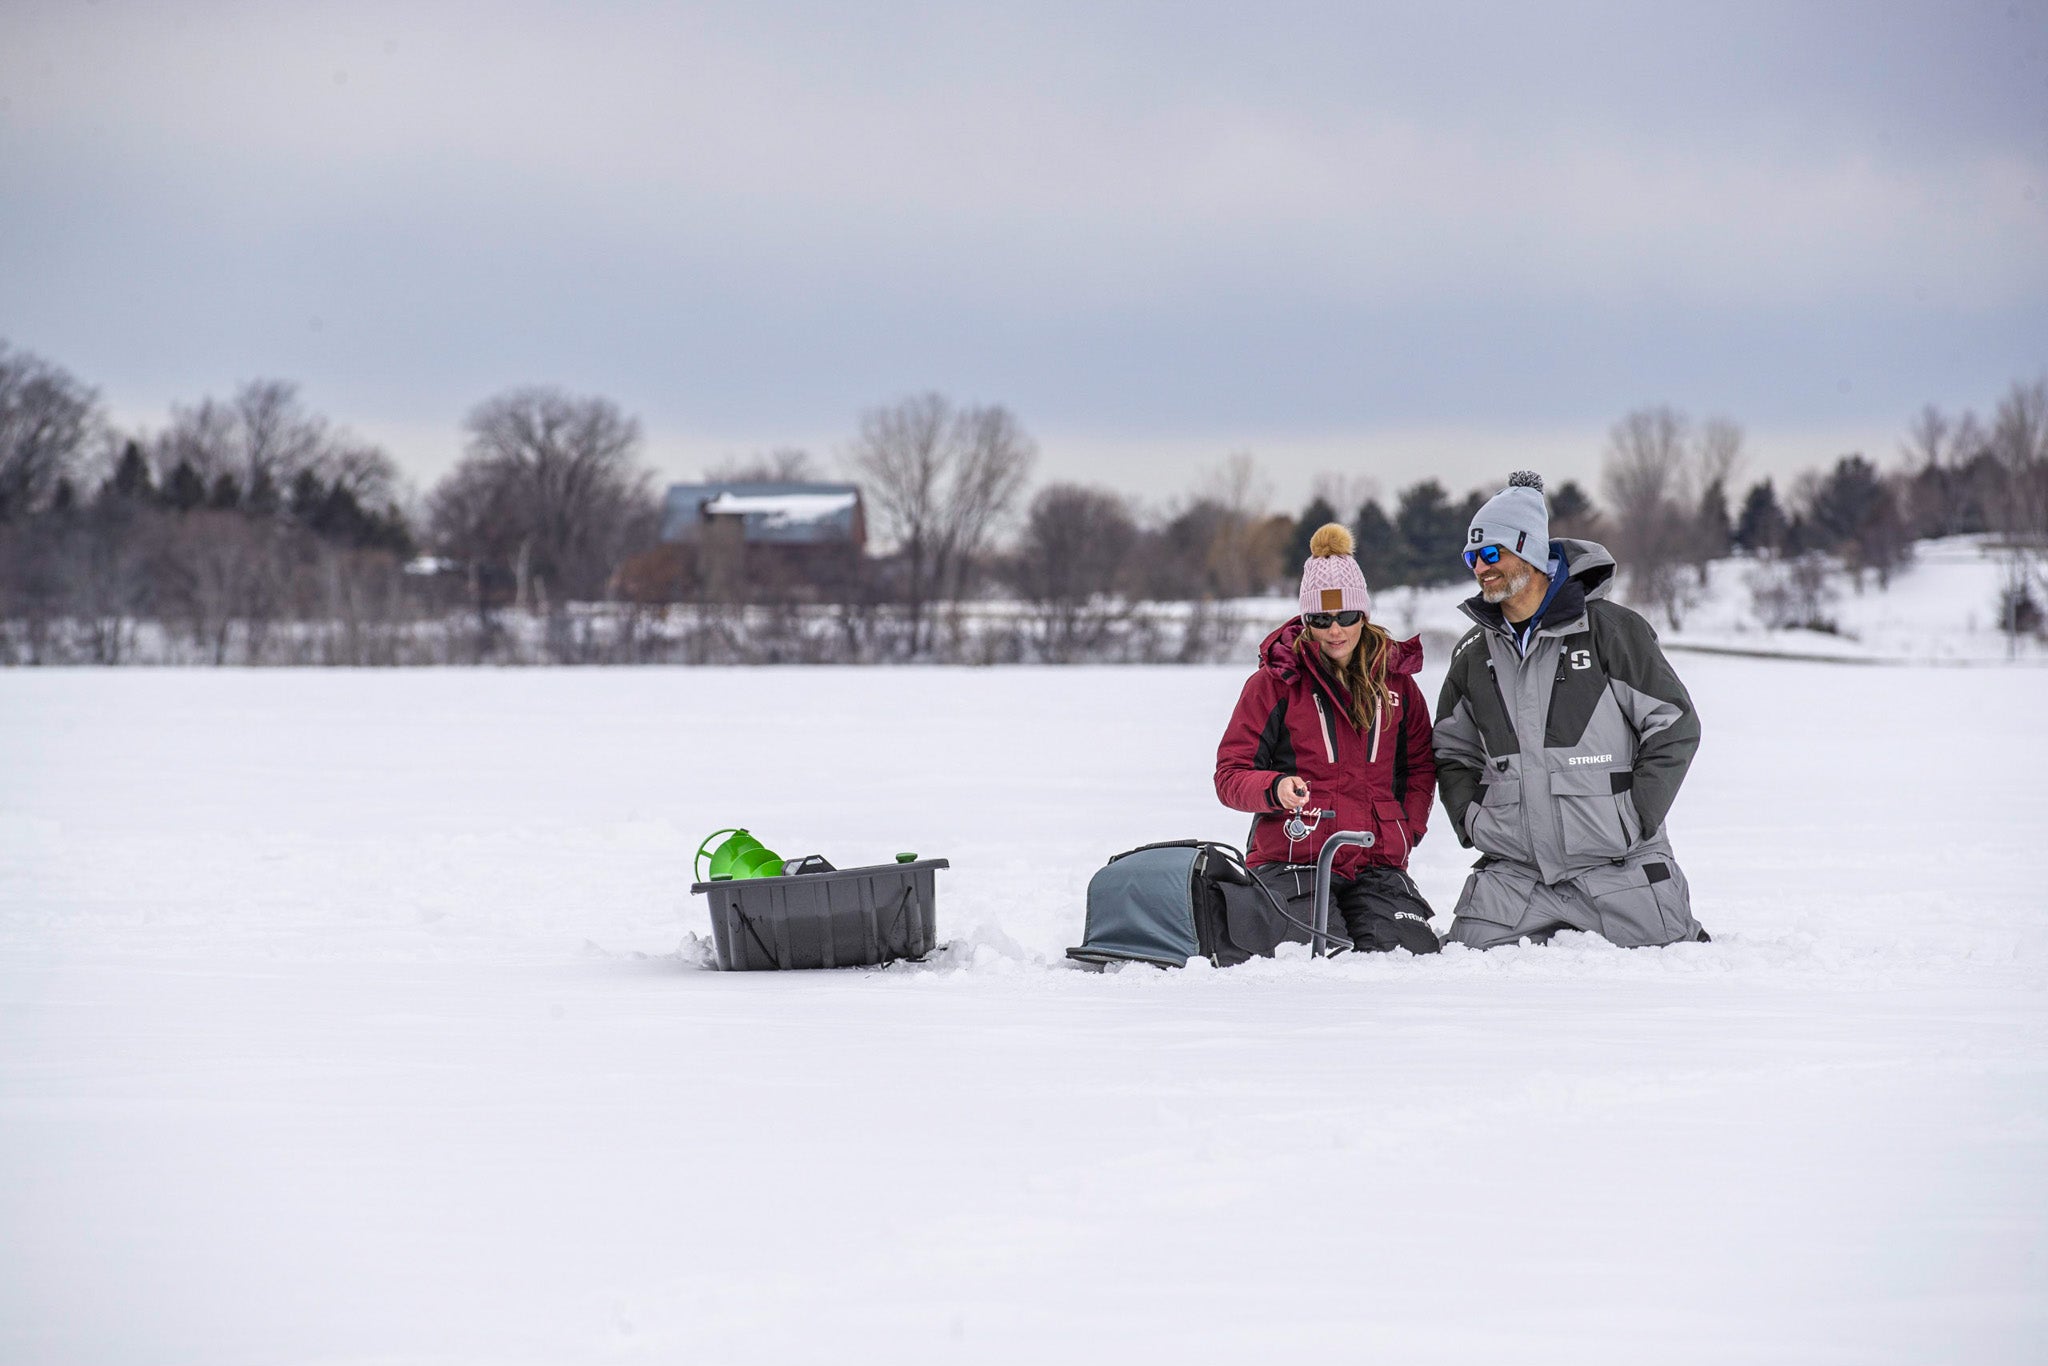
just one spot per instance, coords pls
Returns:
(850, 918)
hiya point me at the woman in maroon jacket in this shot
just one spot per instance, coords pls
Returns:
(1333, 722)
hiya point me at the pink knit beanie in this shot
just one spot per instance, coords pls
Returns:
(1331, 580)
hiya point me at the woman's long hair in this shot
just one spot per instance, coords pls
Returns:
(1363, 678)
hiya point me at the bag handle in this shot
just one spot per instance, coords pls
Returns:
(1163, 844)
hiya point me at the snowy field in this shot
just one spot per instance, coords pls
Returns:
(357, 1017)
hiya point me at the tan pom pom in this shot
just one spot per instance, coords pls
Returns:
(1331, 538)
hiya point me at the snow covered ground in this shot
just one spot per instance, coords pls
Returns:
(343, 1019)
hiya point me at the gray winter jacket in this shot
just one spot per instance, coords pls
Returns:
(1571, 757)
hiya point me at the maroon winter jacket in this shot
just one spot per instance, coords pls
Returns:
(1289, 720)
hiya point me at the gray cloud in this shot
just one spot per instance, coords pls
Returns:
(1125, 221)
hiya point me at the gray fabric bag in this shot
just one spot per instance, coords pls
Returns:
(1166, 903)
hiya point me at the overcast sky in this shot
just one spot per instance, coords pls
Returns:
(1377, 240)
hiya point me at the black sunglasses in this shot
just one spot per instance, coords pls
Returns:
(1488, 553)
(1323, 621)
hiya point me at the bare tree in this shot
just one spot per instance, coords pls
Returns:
(472, 520)
(1069, 560)
(266, 449)
(1927, 438)
(46, 419)
(1346, 492)
(262, 436)
(1666, 485)
(2019, 443)
(278, 436)
(1237, 483)
(940, 481)
(109, 579)
(562, 474)
(359, 597)
(1953, 482)
(783, 465)
(200, 439)
(1716, 458)
(1643, 478)
(1645, 463)
(362, 471)
(1247, 546)
(1792, 594)
(222, 570)
(33, 588)
(1717, 453)
(1928, 487)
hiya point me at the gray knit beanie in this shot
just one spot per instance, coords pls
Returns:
(1515, 519)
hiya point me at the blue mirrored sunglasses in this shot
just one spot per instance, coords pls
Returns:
(1488, 553)
(1323, 621)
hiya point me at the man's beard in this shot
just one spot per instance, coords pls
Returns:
(1515, 584)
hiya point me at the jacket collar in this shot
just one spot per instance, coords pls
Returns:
(1287, 653)
(1589, 573)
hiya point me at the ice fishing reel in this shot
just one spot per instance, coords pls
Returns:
(1301, 824)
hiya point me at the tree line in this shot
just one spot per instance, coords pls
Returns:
(251, 529)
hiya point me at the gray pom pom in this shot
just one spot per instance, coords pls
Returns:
(1526, 479)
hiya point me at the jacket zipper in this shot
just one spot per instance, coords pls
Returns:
(1500, 695)
(1329, 736)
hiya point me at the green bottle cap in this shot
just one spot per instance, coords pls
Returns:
(906, 858)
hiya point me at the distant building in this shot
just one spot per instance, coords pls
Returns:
(751, 540)
(767, 514)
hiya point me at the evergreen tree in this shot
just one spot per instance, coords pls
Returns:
(1462, 517)
(387, 531)
(262, 500)
(1761, 525)
(1313, 517)
(1845, 501)
(1978, 485)
(131, 478)
(184, 490)
(340, 517)
(226, 495)
(1716, 533)
(1379, 547)
(306, 496)
(1853, 513)
(1571, 511)
(1431, 531)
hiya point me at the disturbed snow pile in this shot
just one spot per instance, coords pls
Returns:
(360, 1016)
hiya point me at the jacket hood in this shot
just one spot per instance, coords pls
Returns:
(1588, 564)
(1281, 654)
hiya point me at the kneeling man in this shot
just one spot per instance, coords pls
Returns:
(1562, 735)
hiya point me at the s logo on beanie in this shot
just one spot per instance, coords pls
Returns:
(1478, 535)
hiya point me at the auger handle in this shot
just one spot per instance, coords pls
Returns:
(1325, 861)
